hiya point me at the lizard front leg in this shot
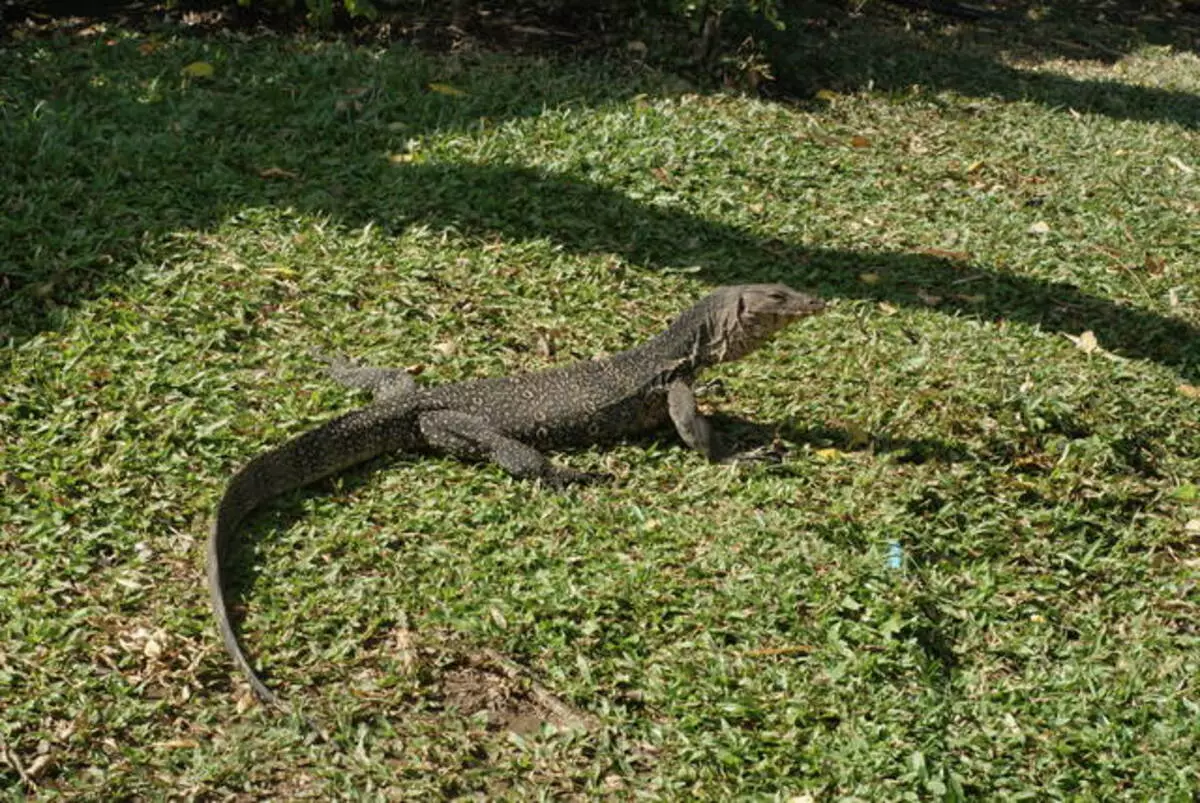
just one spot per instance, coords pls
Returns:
(693, 428)
(471, 438)
(383, 383)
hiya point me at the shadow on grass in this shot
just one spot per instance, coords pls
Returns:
(824, 47)
(97, 169)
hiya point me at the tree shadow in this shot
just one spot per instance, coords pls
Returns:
(824, 47)
(308, 131)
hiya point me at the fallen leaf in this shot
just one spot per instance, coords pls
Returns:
(887, 309)
(869, 278)
(276, 172)
(446, 89)
(1186, 169)
(856, 435)
(826, 94)
(147, 48)
(1191, 391)
(1086, 342)
(1154, 265)
(198, 69)
(957, 256)
(1040, 227)
(1192, 526)
(177, 744)
(794, 649)
(929, 300)
(859, 141)
(543, 345)
(829, 454)
(661, 174)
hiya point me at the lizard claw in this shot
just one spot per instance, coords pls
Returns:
(559, 477)
(763, 454)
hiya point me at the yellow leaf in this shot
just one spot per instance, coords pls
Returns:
(869, 278)
(828, 454)
(198, 69)
(887, 309)
(1086, 342)
(826, 94)
(446, 89)
(1191, 391)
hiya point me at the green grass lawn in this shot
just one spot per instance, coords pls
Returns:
(1004, 386)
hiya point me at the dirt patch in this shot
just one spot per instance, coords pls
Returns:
(488, 685)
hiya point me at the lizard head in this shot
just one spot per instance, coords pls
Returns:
(747, 315)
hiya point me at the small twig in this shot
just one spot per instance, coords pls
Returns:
(14, 761)
(567, 715)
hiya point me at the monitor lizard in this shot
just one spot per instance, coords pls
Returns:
(509, 420)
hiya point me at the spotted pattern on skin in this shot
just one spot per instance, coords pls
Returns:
(507, 420)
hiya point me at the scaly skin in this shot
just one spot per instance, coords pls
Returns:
(509, 420)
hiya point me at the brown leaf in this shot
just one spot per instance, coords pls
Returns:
(859, 141)
(1085, 342)
(1191, 391)
(956, 256)
(276, 172)
(1155, 265)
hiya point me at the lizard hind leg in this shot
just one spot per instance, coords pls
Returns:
(383, 383)
(469, 437)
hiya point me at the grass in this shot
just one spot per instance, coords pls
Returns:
(173, 245)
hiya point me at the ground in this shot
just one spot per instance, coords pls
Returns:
(973, 570)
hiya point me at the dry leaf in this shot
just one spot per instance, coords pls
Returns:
(859, 141)
(887, 309)
(1186, 169)
(543, 345)
(1154, 265)
(1192, 526)
(1191, 391)
(198, 69)
(276, 172)
(829, 454)
(1040, 227)
(1086, 342)
(928, 299)
(446, 89)
(956, 256)
(827, 95)
(661, 174)
(869, 278)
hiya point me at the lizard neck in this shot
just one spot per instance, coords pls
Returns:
(693, 341)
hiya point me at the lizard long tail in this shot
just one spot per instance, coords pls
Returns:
(335, 446)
